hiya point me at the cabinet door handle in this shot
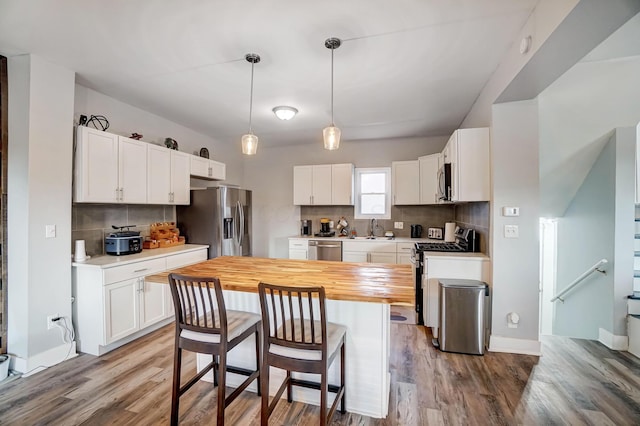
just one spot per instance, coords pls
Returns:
(140, 270)
(121, 194)
(210, 171)
(117, 194)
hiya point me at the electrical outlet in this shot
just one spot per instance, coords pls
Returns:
(50, 323)
(398, 225)
(511, 231)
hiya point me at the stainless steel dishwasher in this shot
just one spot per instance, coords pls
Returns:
(325, 250)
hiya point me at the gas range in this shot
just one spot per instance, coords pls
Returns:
(442, 247)
(466, 241)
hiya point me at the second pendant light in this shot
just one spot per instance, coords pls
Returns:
(331, 134)
(250, 141)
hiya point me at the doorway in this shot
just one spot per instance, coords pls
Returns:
(548, 258)
(4, 117)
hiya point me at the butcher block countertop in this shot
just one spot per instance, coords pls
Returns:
(360, 282)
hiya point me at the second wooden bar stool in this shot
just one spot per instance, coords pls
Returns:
(204, 325)
(297, 337)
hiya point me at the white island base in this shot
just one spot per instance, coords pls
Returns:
(367, 353)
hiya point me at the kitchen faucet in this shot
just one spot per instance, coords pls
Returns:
(374, 224)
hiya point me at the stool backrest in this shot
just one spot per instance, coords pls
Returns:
(198, 303)
(294, 317)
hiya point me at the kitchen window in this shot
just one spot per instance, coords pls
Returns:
(373, 193)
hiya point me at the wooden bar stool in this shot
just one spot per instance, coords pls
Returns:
(297, 337)
(204, 325)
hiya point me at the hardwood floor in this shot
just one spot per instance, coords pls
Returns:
(574, 382)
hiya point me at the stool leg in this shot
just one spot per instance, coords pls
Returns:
(222, 378)
(324, 390)
(215, 371)
(175, 390)
(258, 361)
(289, 387)
(264, 399)
(343, 403)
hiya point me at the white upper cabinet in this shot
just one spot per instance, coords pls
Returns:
(406, 182)
(109, 168)
(180, 174)
(207, 169)
(468, 153)
(302, 185)
(429, 178)
(342, 184)
(324, 185)
(168, 178)
(132, 170)
(321, 185)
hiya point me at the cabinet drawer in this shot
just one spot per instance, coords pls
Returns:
(369, 246)
(183, 259)
(132, 270)
(298, 244)
(405, 247)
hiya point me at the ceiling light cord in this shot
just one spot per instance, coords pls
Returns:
(251, 98)
(332, 124)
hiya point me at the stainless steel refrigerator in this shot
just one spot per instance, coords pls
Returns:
(219, 217)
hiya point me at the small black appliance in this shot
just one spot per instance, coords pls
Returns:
(306, 228)
(416, 231)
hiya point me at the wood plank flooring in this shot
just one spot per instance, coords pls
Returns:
(575, 382)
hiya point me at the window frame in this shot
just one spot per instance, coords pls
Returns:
(358, 192)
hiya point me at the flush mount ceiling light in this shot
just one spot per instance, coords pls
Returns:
(285, 112)
(250, 141)
(331, 134)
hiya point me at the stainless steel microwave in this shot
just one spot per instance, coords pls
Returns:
(444, 182)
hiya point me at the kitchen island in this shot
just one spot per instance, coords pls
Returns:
(359, 296)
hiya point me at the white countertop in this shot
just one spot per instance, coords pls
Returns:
(376, 239)
(108, 261)
(439, 254)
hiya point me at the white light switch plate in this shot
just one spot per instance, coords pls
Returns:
(398, 225)
(511, 231)
(50, 231)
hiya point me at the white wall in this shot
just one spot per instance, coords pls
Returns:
(514, 160)
(546, 17)
(270, 175)
(587, 102)
(39, 194)
(604, 205)
(125, 119)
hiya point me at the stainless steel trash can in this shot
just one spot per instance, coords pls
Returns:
(463, 306)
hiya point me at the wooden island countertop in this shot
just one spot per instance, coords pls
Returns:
(361, 282)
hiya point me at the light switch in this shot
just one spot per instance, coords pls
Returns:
(50, 231)
(398, 225)
(511, 231)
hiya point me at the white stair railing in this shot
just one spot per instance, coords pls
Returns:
(594, 268)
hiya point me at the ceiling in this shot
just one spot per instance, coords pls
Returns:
(406, 68)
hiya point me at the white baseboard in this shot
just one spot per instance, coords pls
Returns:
(514, 346)
(613, 342)
(43, 360)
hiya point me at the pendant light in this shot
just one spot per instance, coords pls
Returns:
(331, 134)
(250, 141)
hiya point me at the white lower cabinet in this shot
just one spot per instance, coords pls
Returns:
(298, 248)
(369, 252)
(114, 304)
(121, 316)
(132, 305)
(437, 267)
(403, 253)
